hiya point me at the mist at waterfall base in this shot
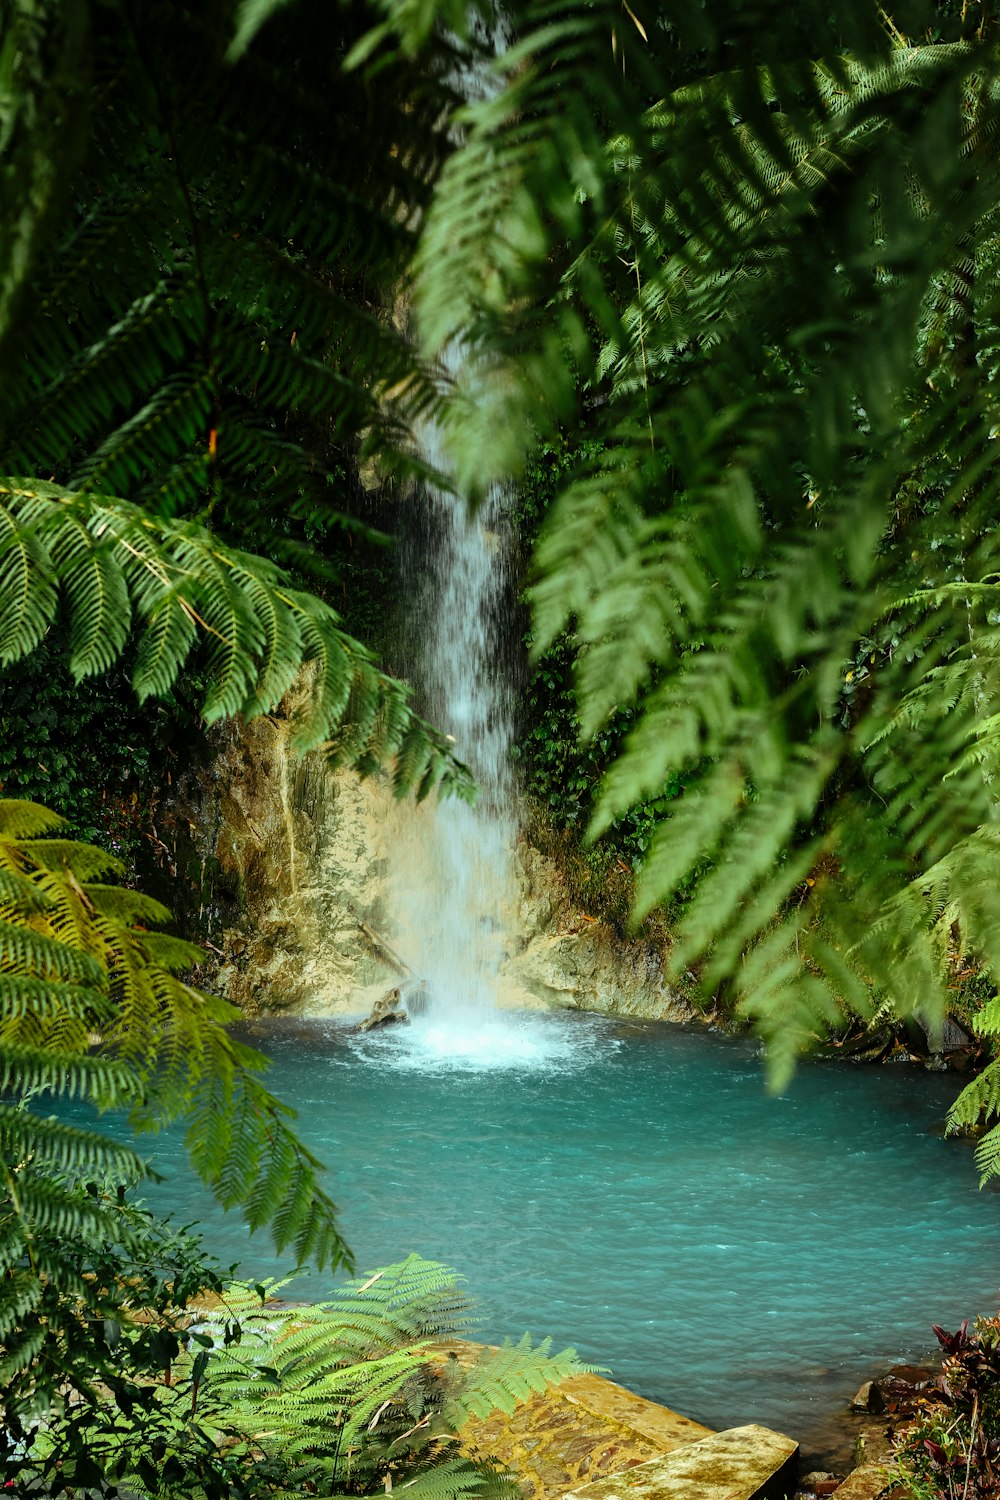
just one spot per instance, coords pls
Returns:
(635, 1192)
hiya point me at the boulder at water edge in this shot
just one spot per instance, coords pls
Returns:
(743, 1463)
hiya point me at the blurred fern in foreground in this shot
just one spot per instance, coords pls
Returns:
(92, 1010)
(754, 254)
(247, 1397)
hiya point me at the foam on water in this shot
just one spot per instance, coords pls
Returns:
(506, 1040)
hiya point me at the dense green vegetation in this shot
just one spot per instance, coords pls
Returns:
(167, 405)
(178, 1381)
(953, 1445)
(770, 294)
(745, 256)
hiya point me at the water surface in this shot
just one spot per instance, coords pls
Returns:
(634, 1191)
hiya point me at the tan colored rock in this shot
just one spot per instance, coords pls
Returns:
(389, 1010)
(666, 1428)
(585, 1427)
(318, 855)
(864, 1483)
(874, 1445)
(743, 1463)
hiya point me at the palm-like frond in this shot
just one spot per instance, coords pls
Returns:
(111, 562)
(765, 282)
(91, 1010)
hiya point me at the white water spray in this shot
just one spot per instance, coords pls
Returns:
(455, 900)
(455, 906)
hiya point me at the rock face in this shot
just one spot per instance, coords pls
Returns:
(311, 852)
(301, 846)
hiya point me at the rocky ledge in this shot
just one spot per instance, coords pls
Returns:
(589, 1439)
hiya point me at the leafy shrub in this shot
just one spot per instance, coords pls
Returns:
(560, 771)
(245, 1397)
(953, 1448)
(89, 750)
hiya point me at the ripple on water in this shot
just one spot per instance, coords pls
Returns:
(635, 1191)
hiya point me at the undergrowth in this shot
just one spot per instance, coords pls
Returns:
(952, 1450)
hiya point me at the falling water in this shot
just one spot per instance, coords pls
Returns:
(454, 904)
(455, 893)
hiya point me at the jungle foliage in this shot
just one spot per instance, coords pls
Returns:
(559, 768)
(92, 1010)
(193, 337)
(244, 1397)
(194, 342)
(760, 249)
(953, 1445)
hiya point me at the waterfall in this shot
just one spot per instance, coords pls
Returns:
(455, 895)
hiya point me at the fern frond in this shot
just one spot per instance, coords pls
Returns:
(351, 1381)
(64, 1148)
(181, 582)
(502, 1378)
(82, 962)
(454, 1478)
(44, 1070)
(782, 562)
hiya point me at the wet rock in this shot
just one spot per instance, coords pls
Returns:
(567, 1435)
(954, 1035)
(864, 1483)
(896, 1392)
(874, 1447)
(949, 1036)
(818, 1484)
(861, 1400)
(316, 857)
(416, 997)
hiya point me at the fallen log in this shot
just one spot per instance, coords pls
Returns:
(397, 1005)
(387, 952)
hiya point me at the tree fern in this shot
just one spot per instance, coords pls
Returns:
(202, 342)
(113, 563)
(78, 963)
(357, 1390)
(253, 1398)
(765, 282)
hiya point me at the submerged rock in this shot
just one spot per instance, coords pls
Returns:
(397, 1005)
(896, 1392)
